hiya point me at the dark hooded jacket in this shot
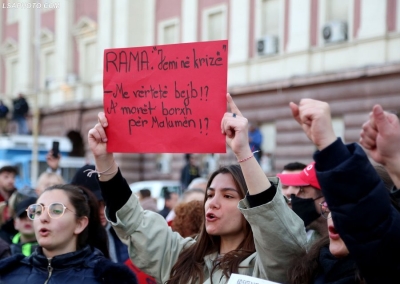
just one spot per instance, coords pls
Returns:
(87, 266)
(361, 210)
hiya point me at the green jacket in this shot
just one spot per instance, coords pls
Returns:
(26, 249)
(279, 236)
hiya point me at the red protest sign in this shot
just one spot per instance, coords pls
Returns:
(166, 98)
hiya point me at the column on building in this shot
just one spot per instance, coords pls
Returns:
(105, 29)
(64, 77)
(189, 20)
(25, 49)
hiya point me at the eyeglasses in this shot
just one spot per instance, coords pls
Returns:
(325, 212)
(55, 210)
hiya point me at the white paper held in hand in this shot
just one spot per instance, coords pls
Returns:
(244, 279)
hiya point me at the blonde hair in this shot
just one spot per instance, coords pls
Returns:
(46, 180)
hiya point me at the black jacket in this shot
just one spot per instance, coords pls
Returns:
(361, 210)
(336, 270)
(21, 107)
(86, 266)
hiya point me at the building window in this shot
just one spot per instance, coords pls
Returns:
(49, 69)
(270, 17)
(215, 26)
(337, 10)
(268, 26)
(85, 32)
(47, 57)
(214, 23)
(168, 31)
(335, 20)
(90, 58)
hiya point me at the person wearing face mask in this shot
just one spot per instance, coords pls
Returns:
(291, 168)
(362, 211)
(305, 198)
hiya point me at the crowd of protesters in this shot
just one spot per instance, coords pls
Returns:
(335, 220)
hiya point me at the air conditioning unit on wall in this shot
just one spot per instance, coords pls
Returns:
(267, 45)
(335, 31)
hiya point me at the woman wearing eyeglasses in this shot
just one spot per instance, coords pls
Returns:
(73, 244)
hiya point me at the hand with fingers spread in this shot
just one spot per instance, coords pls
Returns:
(315, 119)
(380, 135)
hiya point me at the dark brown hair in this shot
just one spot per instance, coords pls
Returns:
(85, 204)
(190, 264)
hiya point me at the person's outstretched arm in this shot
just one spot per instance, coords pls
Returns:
(235, 127)
(153, 247)
(279, 234)
(105, 162)
(380, 135)
(360, 205)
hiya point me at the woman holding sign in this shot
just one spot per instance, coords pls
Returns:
(240, 201)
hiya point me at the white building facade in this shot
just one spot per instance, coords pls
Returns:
(344, 52)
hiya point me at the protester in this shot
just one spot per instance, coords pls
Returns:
(327, 261)
(291, 168)
(72, 243)
(21, 109)
(7, 182)
(359, 202)
(305, 199)
(199, 182)
(46, 180)
(225, 244)
(25, 240)
(7, 188)
(189, 172)
(53, 163)
(188, 218)
(187, 196)
(171, 199)
(3, 118)
(117, 250)
(193, 194)
(147, 201)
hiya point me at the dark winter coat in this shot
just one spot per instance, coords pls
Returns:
(361, 210)
(87, 266)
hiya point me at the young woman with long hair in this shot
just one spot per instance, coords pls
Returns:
(72, 243)
(248, 227)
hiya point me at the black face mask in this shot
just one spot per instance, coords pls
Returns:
(305, 209)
